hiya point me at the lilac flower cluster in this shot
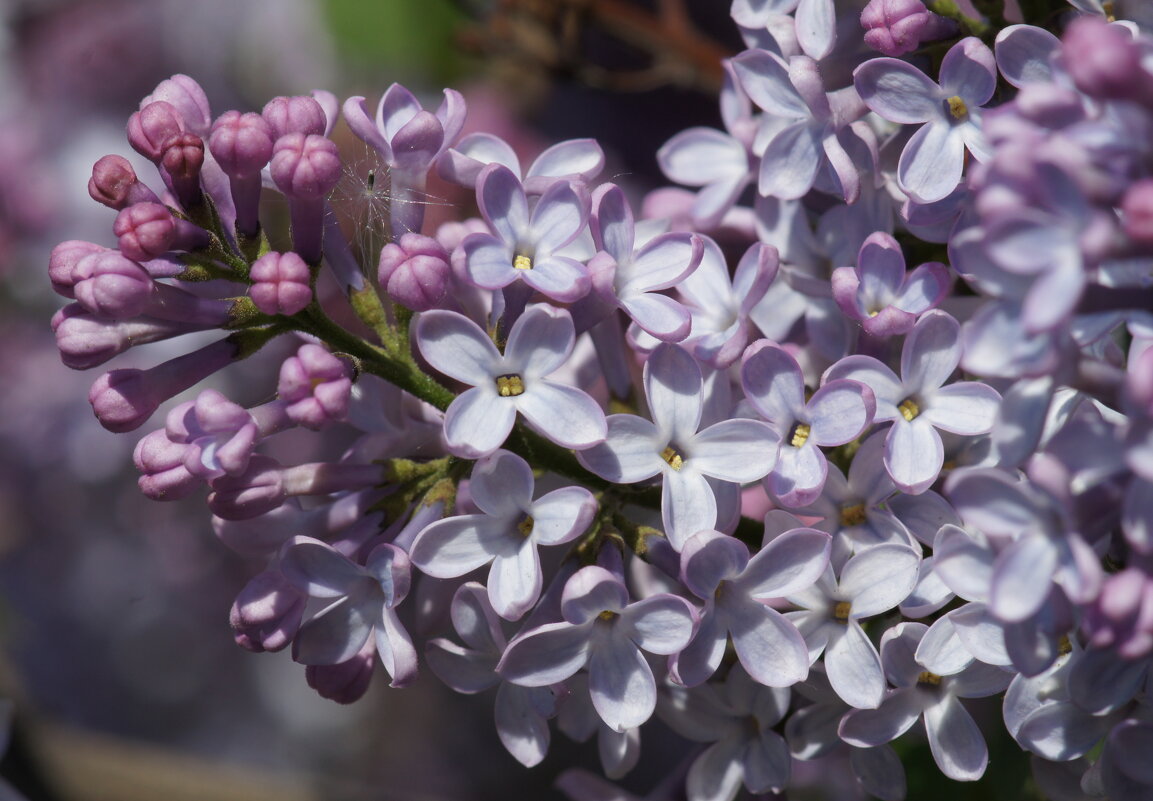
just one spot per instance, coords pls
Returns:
(618, 470)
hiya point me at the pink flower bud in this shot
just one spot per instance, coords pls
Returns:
(305, 165)
(161, 463)
(280, 283)
(896, 27)
(146, 230)
(347, 682)
(114, 183)
(257, 490)
(109, 285)
(300, 114)
(241, 143)
(188, 98)
(1103, 60)
(63, 262)
(415, 272)
(183, 159)
(316, 386)
(1137, 212)
(150, 129)
(267, 612)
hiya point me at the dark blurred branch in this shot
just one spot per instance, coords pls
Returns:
(556, 36)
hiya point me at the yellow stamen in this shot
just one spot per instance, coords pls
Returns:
(853, 515)
(525, 526)
(841, 611)
(673, 457)
(522, 263)
(909, 409)
(957, 108)
(1107, 7)
(509, 385)
(1064, 645)
(931, 679)
(607, 615)
(800, 434)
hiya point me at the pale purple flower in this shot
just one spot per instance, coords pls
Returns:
(480, 419)
(521, 713)
(931, 164)
(956, 743)
(880, 295)
(506, 533)
(837, 413)
(630, 275)
(362, 601)
(920, 401)
(526, 245)
(871, 582)
(575, 160)
(578, 719)
(735, 588)
(736, 718)
(674, 446)
(603, 631)
(807, 128)
(720, 305)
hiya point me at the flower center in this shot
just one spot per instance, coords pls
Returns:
(608, 615)
(509, 385)
(930, 679)
(799, 435)
(1107, 7)
(841, 611)
(525, 526)
(958, 108)
(853, 515)
(673, 457)
(522, 263)
(908, 409)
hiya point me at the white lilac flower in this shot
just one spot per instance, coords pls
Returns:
(671, 445)
(521, 713)
(481, 418)
(920, 402)
(736, 718)
(838, 412)
(603, 631)
(736, 589)
(956, 743)
(362, 601)
(527, 245)
(873, 581)
(506, 533)
(933, 160)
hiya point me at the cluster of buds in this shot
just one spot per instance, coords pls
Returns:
(785, 485)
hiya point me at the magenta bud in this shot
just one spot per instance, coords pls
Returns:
(1102, 59)
(183, 156)
(280, 283)
(415, 272)
(301, 114)
(86, 340)
(63, 261)
(257, 490)
(150, 129)
(896, 27)
(267, 612)
(305, 165)
(114, 183)
(123, 399)
(346, 682)
(316, 386)
(146, 230)
(161, 464)
(1137, 212)
(188, 98)
(110, 285)
(241, 143)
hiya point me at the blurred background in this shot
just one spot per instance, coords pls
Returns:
(115, 649)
